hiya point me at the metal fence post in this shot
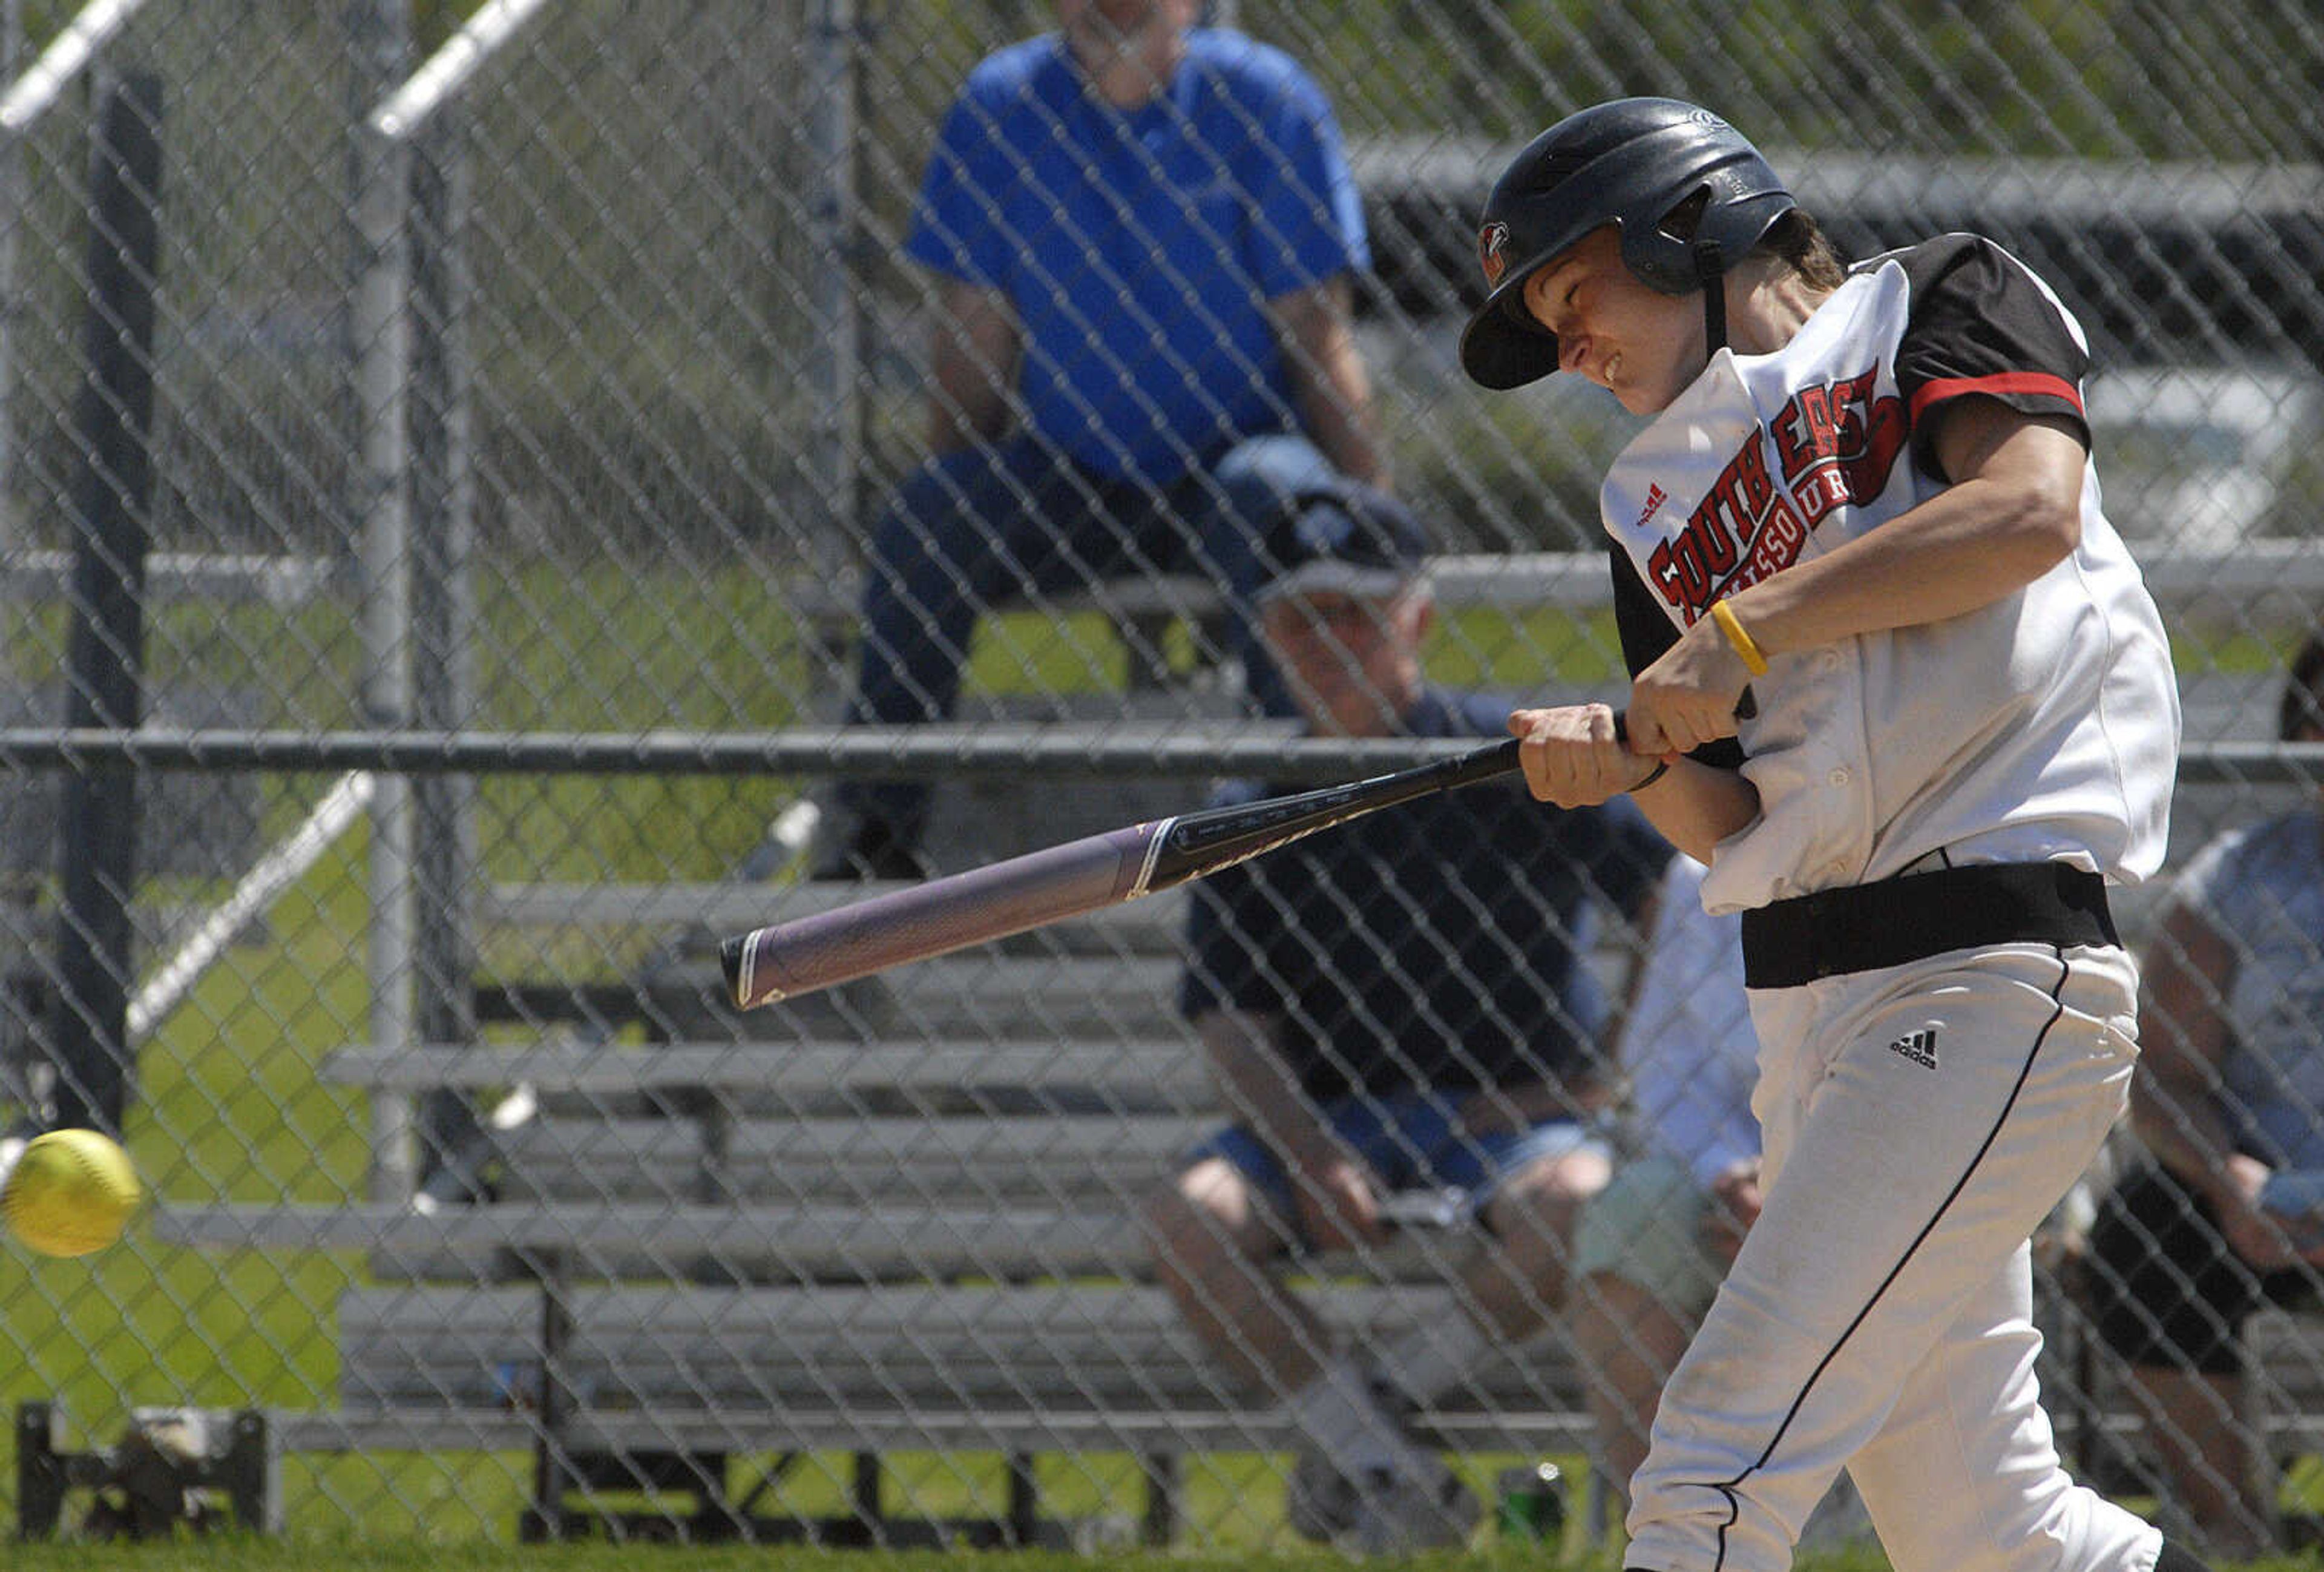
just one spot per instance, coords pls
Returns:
(835, 373)
(113, 519)
(380, 321)
(12, 218)
(443, 503)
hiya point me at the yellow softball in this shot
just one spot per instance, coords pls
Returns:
(71, 1192)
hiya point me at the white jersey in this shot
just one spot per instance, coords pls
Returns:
(2043, 728)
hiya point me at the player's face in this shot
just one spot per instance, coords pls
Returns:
(1352, 661)
(1643, 346)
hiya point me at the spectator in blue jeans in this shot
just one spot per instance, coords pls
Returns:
(1384, 1008)
(1143, 236)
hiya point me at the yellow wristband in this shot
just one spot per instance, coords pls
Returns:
(1729, 624)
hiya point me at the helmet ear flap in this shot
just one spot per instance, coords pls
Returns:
(1684, 221)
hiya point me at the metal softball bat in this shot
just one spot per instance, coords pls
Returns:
(922, 920)
(932, 918)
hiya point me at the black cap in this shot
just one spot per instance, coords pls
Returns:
(1345, 537)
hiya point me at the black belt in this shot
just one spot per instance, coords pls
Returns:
(1862, 928)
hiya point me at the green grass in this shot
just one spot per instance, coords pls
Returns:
(364, 1553)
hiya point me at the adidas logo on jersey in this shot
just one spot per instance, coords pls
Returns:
(1919, 1047)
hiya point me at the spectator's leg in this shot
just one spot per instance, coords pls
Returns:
(1214, 1234)
(2208, 1455)
(1629, 1341)
(915, 620)
(1516, 1287)
(1358, 1478)
(963, 533)
(1226, 515)
(1530, 1182)
(1643, 1276)
(2169, 1299)
(1087, 530)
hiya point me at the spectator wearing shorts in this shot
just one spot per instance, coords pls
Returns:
(1386, 1009)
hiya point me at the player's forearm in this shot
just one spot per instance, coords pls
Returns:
(1576, 755)
(1695, 806)
(1905, 574)
(1987, 537)
(1330, 383)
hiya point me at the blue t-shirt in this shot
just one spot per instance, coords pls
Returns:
(1441, 943)
(1140, 250)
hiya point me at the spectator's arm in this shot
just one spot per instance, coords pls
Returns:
(1259, 1089)
(1339, 1200)
(1736, 1199)
(1643, 922)
(1328, 378)
(973, 365)
(2184, 1036)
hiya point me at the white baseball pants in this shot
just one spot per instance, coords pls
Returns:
(1921, 1120)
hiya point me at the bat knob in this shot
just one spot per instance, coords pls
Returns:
(730, 961)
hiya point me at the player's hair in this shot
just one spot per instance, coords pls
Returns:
(1794, 239)
(2303, 692)
(1800, 242)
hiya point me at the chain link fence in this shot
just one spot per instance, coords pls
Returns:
(470, 505)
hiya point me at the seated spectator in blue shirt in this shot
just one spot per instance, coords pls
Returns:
(1144, 235)
(2229, 1103)
(1387, 1006)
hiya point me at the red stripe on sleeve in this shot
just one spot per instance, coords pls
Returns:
(2040, 383)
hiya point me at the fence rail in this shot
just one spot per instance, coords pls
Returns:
(926, 752)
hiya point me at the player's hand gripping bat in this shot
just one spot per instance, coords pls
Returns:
(942, 915)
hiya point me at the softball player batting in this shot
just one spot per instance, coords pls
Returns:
(1866, 495)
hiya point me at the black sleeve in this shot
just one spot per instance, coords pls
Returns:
(1646, 631)
(1639, 616)
(1983, 324)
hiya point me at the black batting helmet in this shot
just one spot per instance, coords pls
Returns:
(1632, 164)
